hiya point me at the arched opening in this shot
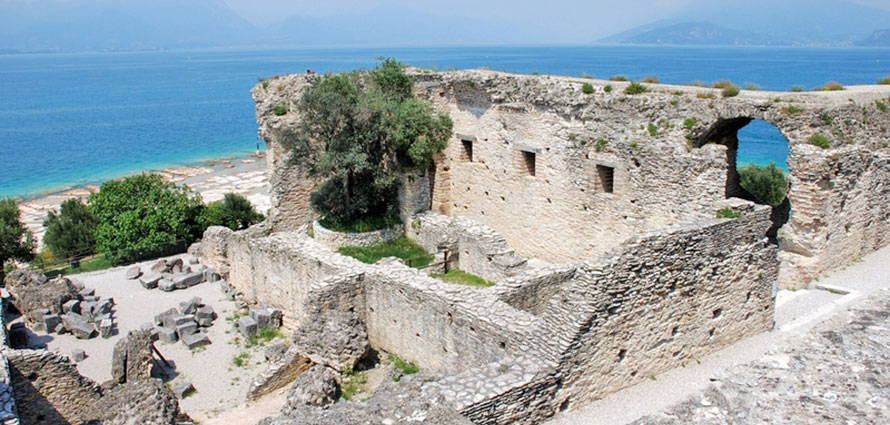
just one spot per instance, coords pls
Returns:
(751, 141)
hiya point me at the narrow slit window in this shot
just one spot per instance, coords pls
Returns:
(528, 163)
(467, 154)
(607, 178)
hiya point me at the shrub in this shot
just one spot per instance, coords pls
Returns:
(767, 183)
(143, 216)
(651, 79)
(280, 110)
(791, 109)
(881, 105)
(233, 211)
(722, 84)
(607, 89)
(728, 213)
(587, 88)
(72, 232)
(819, 140)
(705, 96)
(16, 242)
(826, 119)
(833, 86)
(265, 84)
(635, 88)
(368, 129)
(653, 130)
(730, 91)
(689, 123)
(617, 78)
(797, 88)
(599, 145)
(697, 83)
(752, 86)
(884, 80)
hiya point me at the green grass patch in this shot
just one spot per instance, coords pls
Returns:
(796, 88)
(461, 277)
(690, 123)
(280, 110)
(617, 78)
(732, 91)
(881, 105)
(403, 366)
(728, 213)
(608, 88)
(599, 145)
(241, 360)
(791, 109)
(90, 265)
(268, 334)
(403, 247)
(819, 140)
(635, 88)
(362, 225)
(352, 383)
(653, 130)
(705, 96)
(587, 88)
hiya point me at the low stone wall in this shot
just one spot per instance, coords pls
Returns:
(8, 412)
(335, 240)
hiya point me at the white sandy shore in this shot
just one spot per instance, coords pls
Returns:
(245, 176)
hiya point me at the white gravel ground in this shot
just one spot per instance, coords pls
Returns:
(219, 383)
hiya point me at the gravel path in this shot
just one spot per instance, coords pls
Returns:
(797, 313)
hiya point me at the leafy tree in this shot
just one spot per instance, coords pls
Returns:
(360, 131)
(72, 232)
(234, 212)
(143, 216)
(767, 183)
(15, 240)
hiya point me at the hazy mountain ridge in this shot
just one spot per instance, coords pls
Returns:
(763, 22)
(879, 38)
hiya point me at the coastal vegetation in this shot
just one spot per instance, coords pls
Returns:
(635, 88)
(16, 243)
(143, 216)
(819, 140)
(70, 234)
(233, 211)
(830, 86)
(767, 183)
(617, 78)
(650, 79)
(884, 80)
(587, 88)
(367, 130)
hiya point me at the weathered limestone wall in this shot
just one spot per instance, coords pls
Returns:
(665, 299)
(48, 389)
(661, 171)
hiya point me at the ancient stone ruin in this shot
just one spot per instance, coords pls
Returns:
(593, 214)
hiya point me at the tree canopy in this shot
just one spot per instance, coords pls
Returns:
(767, 183)
(361, 130)
(71, 232)
(233, 211)
(143, 216)
(15, 240)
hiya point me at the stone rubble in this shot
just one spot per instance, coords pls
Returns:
(185, 323)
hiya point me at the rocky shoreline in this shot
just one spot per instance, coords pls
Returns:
(211, 179)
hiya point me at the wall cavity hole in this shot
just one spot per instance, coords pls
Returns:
(621, 355)
(748, 297)
(502, 345)
(564, 406)
(417, 335)
(677, 353)
(549, 201)
(711, 332)
(371, 308)
(634, 373)
(675, 331)
(32, 377)
(717, 313)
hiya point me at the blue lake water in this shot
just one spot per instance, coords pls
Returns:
(70, 119)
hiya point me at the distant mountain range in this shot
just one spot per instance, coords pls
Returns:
(766, 23)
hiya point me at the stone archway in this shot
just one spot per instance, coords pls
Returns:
(726, 132)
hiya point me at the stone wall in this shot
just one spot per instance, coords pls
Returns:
(608, 166)
(335, 240)
(8, 412)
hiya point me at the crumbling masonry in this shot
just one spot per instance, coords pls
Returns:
(613, 195)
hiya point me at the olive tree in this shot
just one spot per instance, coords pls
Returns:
(16, 242)
(71, 233)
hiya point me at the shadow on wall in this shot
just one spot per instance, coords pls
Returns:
(33, 407)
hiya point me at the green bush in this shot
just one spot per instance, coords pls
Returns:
(72, 232)
(752, 86)
(650, 79)
(819, 140)
(767, 183)
(884, 80)
(881, 105)
(653, 130)
(730, 91)
(599, 145)
(587, 88)
(279, 110)
(635, 88)
(689, 123)
(367, 129)
(617, 78)
(143, 216)
(728, 213)
(233, 211)
(797, 88)
(608, 89)
(833, 86)
(16, 242)
(722, 84)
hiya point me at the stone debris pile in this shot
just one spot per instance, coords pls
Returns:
(185, 323)
(169, 275)
(61, 305)
(259, 318)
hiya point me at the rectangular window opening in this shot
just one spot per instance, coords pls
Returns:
(528, 162)
(467, 154)
(606, 177)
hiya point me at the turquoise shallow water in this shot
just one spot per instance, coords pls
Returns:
(69, 119)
